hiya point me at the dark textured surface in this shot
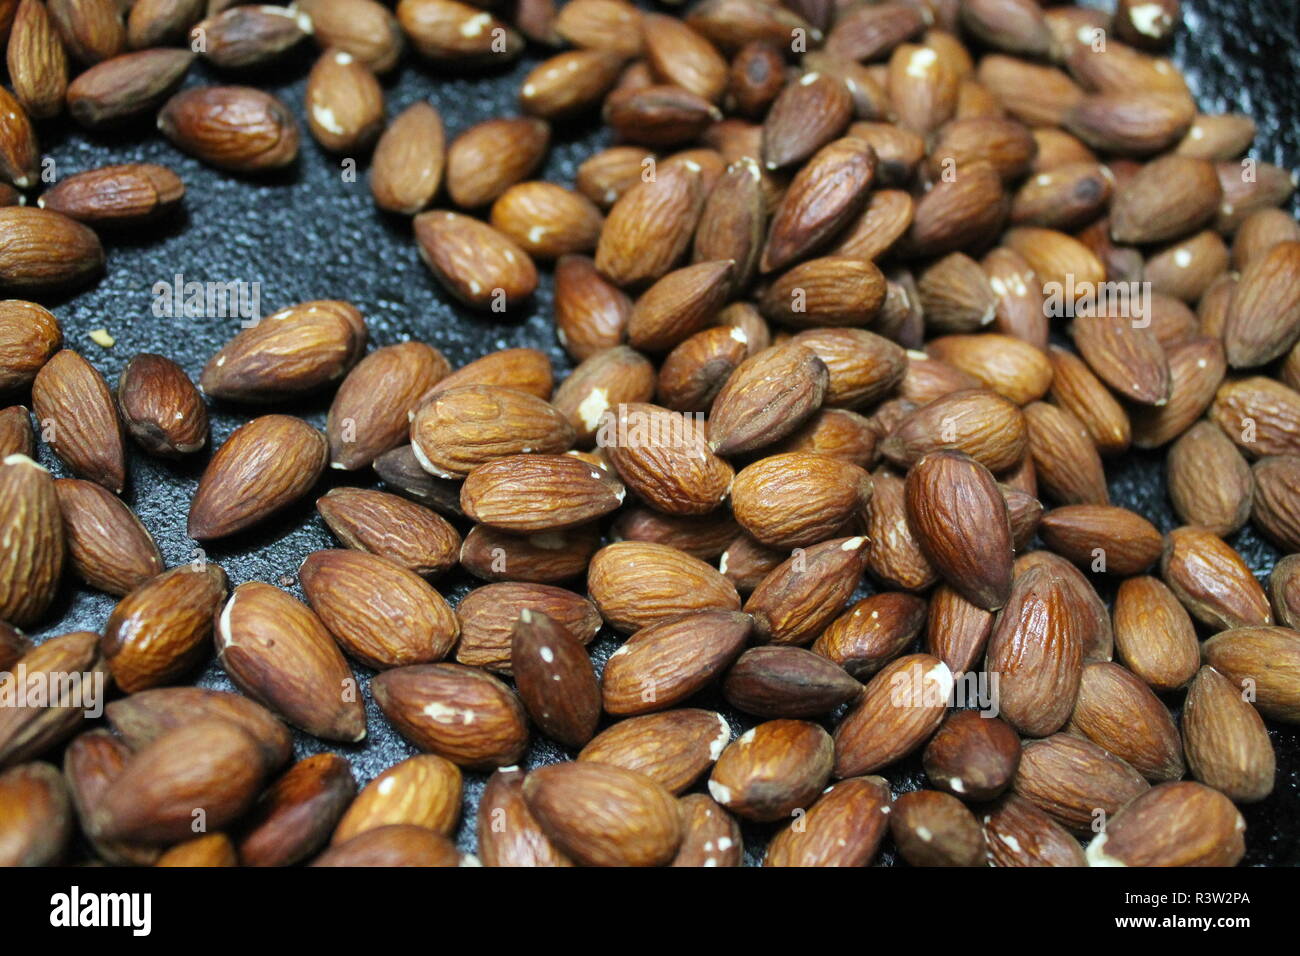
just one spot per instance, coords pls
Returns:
(312, 234)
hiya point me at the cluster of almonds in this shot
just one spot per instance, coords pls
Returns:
(759, 419)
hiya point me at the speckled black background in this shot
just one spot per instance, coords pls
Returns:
(310, 234)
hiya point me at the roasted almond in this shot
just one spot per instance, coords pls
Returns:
(973, 755)
(398, 845)
(128, 85)
(795, 499)
(422, 791)
(160, 407)
(843, 828)
(487, 159)
(391, 527)
(1175, 824)
(710, 835)
(296, 813)
(32, 563)
(461, 428)
(407, 166)
(555, 679)
(529, 494)
(1076, 782)
(981, 423)
(543, 558)
(108, 546)
(1017, 833)
(478, 264)
(248, 37)
(508, 833)
(766, 398)
(1226, 742)
(1154, 635)
(1066, 461)
(773, 770)
(72, 665)
(366, 29)
(236, 128)
(1264, 316)
(898, 711)
(1117, 711)
(787, 682)
(449, 32)
(37, 823)
(800, 596)
(824, 196)
(29, 337)
(872, 632)
(1212, 580)
(1264, 662)
(672, 747)
(488, 616)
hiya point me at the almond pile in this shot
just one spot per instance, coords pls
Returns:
(861, 305)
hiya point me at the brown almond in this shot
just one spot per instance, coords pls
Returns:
(236, 128)
(894, 555)
(530, 494)
(1066, 461)
(422, 791)
(1168, 198)
(981, 423)
(863, 366)
(1017, 833)
(1131, 123)
(1077, 390)
(710, 836)
(693, 372)
(127, 85)
(366, 29)
(1076, 782)
(672, 747)
(508, 833)
(897, 712)
(78, 417)
(398, 845)
(956, 630)
(1212, 580)
(1265, 663)
(29, 337)
(1284, 591)
(800, 596)
(872, 632)
(249, 37)
(958, 213)
(344, 103)
(650, 225)
(214, 849)
(932, 828)
(1264, 316)
(31, 520)
(1226, 742)
(973, 755)
(824, 196)
(1275, 503)
(381, 613)
(1154, 635)
(37, 822)
(843, 828)
(463, 714)
(160, 407)
(112, 196)
(570, 83)
(478, 264)
(277, 651)
(42, 250)
(1259, 414)
(766, 398)
(264, 466)
(663, 459)
(407, 166)
(544, 558)
(1117, 711)
(488, 616)
(296, 813)
(794, 499)
(1175, 824)
(91, 762)
(774, 769)
(91, 30)
(403, 532)
(460, 428)
(453, 33)
(1196, 369)
(487, 159)
(108, 546)
(1103, 538)
(72, 664)
(591, 314)
(808, 114)
(787, 682)
(546, 220)
(555, 679)
(38, 65)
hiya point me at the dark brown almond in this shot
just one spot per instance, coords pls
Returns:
(662, 665)
(1175, 824)
(960, 520)
(295, 351)
(957, 630)
(846, 824)
(1017, 833)
(1284, 590)
(1276, 502)
(209, 766)
(248, 37)
(894, 555)
(78, 417)
(406, 169)
(13, 645)
(710, 836)
(264, 466)
(112, 196)
(787, 682)
(1076, 782)
(1125, 355)
(90, 763)
(296, 814)
(160, 406)
(277, 651)
(825, 195)
(19, 151)
(1066, 197)
(91, 30)
(108, 546)
(401, 471)
(555, 679)
(745, 562)
(126, 86)
(808, 114)
(800, 596)
(1168, 198)
(31, 520)
(678, 305)
(973, 755)
(1226, 742)
(733, 222)
(934, 829)
(862, 365)
(463, 714)
(658, 115)
(1131, 123)
(152, 23)
(766, 398)
(872, 632)
(1196, 370)
(958, 213)
(381, 613)
(70, 664)
(956, 295)
(488, 616)
(236, 128)
(695, 370)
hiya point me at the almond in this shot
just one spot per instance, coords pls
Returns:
(766, 398)
(32, 563)
(391, 527)
(111, 196)
(407, 166)
(479, 265)
(527, 494)
(981, 423)
(487, 159)
(37, 821)
(215, 849)
(125, 86)
(277, 651)
(344, 103)
(693, 372)
(508, 833)
(897, 712)
(488, 616)
(1263, 660)
(1175, 824)
(1066, 461)
(678, 305)
(366, 29)
(91, 30)
(160, 407)
(38, 65)
(956, 630)
(555, 679)
(807, 115)
(295, 815)
(1017, 833)
(1103, 537)
(1119, 712)
(399, 845)
(682, 56)
(1126, 356)
(710, 836)
(90, 763)
(460, 428)
(108, 546)
(1264, 317)
(591, 314)
(72, 664)
(787, 682)
(236, 128)
(1154, 635)
(796, 499)
(449, 32)
(249, 37)
(1259, 414)
(422, 791)
(570, 83)
(1212, 580)
(29, 337)
(863, 366)
(1075, 782)
(973, 755)
(799, 597)
(824, 196)
(1169, 198)
(935, 829)
(542, 558)
(650, 226)
(463, 714)
(958, 213)
(872, 632)
(774, 769)
(1226, 742)
(547, 220)
(843, 828)
(381, 613)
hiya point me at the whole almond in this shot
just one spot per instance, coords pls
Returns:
(1077, 390)
(591, 314)
(773, 770)
(985, 425)
(636, 584)
(711, 836)
(1284, 590)
(406, 169)
(570, 83)
(787, 682)
(766, 398)
(1259, 415)
(160, 407)
(956, 630)
(799, 597)
(1226, 742)
(544, 558)
(796, 499)
(295, 351)
(461, 428)
(672, 747)
(1212, 580)
(423, 791)
(555, 679)
(32, 563)
(236, 128)
(488, 616)
(650, 226)
(72, 664)
(278, 652)
(528, 494)
(1017, 833)
(159, 23)
(898, 711)
(366, 29)
(344, 103)
(824, 196)
(1103, 538)
(843, 828)
(29, 336)
(37, 822)
(112, 196)
(446, 31)
(295, 814)
(264, 466)
(38, 65)
(250, 37)
(381, 613)
(872, 632)
(1074, 781)
(1154, 635)
(108, 546)
(463, 714)
(1175, 824)
(604, 816)
(91, 30)
(1167, 199)
(1116, 710)
(1066, 461)
(1274, 508)
(478, 264)
(1264, 661)
(398, 845)
(508, 833)
(125, 86)
(1264, 317)
(91, 762)
(546, 220)
(934, 829)
(608, 379)
(43, 250)
(487, 159)
(72, 402)
(403, 532)
(973, 755)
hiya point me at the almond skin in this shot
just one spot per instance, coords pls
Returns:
(897, 712)
(295, 815)
(108, 546)
(960, 519)
(637, 584)
(711, 836)
(1070, 778)
(146, 715)
(1225, 739)
(278, 652)
(604, 816)
(1212, 580)
(1175, 824)
(423, 791)
(663, 664)
(159, 631)
(76, 410)
(843, 828)
(527, 494)
(555, 679)
(264, 466)
(209, 765)
(463, 714)
(1118, 711)
(772, 770)
(370, 412)
(295, 351)
(381, 613)
(31, 520)
(160, 407)
(236, 128)
(672, 747)
(972, 756)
